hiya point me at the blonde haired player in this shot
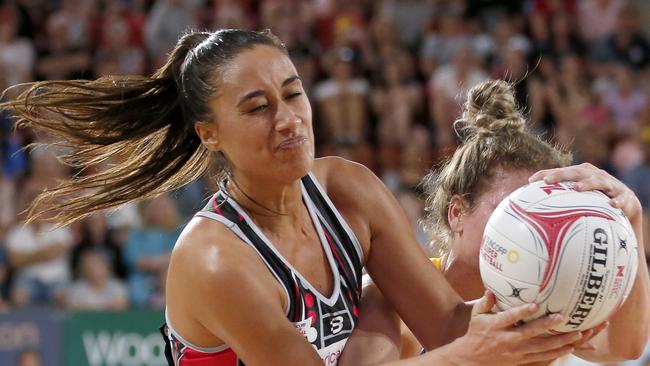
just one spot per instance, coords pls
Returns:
(498, 154)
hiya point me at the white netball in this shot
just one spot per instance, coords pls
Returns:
(570, 252)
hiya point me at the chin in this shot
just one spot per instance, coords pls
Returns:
(297, 167)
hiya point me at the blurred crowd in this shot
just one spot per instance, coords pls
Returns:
(386, 80)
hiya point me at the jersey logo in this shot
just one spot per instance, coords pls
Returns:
(305, 328)
(336, 324)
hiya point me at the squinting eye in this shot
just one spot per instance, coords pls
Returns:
(291, 96)
(258, 109)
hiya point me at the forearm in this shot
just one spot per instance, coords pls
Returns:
(438, 316)
(20, 259)
(448, 355)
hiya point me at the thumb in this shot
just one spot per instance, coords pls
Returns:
(485, 304)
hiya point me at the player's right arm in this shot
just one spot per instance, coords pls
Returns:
(230, 296)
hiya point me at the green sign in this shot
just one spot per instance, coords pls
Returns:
(126, 338)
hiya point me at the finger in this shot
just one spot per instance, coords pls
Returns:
(539, 326)
(514, 315)
(570, 173)
(599, 328)
(548, 355)
(607, 185)
(485, 304)
(539, 175)
(585, 345)
(549, 343)
(628, 203)
(582, 343)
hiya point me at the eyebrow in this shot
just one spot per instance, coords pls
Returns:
(257, 93)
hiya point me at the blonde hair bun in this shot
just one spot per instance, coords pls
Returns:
(491, 107)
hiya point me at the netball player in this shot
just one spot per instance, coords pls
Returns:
(269, 273)
(497, 156)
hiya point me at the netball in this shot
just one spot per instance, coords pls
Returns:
(570, 252)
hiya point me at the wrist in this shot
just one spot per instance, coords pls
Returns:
(453, 354)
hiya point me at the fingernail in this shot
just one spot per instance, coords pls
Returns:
(531, 307)
(558, 318)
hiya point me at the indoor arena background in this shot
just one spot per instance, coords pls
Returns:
(385, 79)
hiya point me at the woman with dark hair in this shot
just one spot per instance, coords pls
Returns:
(269, 272)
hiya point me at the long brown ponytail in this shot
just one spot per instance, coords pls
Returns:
(142, 126)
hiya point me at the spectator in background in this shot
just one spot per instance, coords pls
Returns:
(166, 22)
(37, 252)
(501, 42)
(97, 289)
(597, 18)
(29, 358)
(380, 46)
(564, 37)
(441, 41)
(78, 16)
(118, 56)
(17, 54)
(292, 21)
(416, 158)
(410, 18)
(59, 58)
(447, 85)
(625, 101)
(231, 14)
(341, 99)
(414, 208)
(389, 156)
(340, 25)
(95, 236)
(147, 249)
(626, 43)
(395, 102)
(567, 94)
(633, 157)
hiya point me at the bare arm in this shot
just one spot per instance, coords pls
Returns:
(393, 249)
(628, 330)
(20, 259)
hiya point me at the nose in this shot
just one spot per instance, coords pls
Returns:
(285, 118)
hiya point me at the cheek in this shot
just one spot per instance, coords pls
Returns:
(474, 231)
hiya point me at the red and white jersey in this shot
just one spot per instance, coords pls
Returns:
(326, 322)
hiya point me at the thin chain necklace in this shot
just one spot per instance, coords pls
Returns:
(223, 185)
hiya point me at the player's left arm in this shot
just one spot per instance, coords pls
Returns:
(396, 262)
(627, 334)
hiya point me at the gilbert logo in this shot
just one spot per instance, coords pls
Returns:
(305, 328)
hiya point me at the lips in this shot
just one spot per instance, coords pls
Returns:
(292, 143)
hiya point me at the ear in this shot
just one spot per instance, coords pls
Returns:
(209, 135)
(457, 208)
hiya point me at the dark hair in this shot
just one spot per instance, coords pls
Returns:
(145, 123)
(494, 135)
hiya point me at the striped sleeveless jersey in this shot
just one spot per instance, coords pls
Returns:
(326, 322)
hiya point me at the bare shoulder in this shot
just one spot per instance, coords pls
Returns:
(355, 191)
(208, 257)
(350, 184)
(339, 175)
